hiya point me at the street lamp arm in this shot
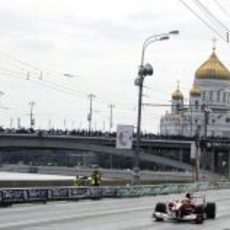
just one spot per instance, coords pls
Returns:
(149, 41)
(145, 44)
(156, 36)
(158, 39)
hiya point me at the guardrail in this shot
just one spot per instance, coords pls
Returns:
(10, 196)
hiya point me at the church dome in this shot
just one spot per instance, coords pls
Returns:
(195, 91)
(177, 95)
(213, 69)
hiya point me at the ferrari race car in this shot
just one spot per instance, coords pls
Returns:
(191, 208)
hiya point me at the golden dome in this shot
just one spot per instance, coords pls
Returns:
(177, 95)
(213, 69)
(195, 91)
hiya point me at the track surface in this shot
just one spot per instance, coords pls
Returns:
(112, 214)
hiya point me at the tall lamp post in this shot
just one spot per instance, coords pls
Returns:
(204, 158)
(32, 121)
(143, 71)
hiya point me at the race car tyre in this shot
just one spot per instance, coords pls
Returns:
(199, 219)
(160, 207)
(199, 211)
(210, 210)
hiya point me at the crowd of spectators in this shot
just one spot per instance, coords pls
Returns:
(99, 133)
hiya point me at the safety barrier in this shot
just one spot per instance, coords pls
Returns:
(136, 191)
(10, 196)
(25, 195)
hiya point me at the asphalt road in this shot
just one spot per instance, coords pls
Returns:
(108, 214)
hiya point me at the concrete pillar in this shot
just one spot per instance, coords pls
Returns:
(228, 163)
(213, 160)
(181, 155)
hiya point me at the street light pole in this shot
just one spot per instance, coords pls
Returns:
(197, 157)
(204, 142)
(137, 152)
(111, 117)
(31, 104)
(144, 70)
(90, 114)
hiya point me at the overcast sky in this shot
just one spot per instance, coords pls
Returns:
(99, 43)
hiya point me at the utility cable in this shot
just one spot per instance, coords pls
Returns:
(210, 14)
(200, 18)
(222, 8)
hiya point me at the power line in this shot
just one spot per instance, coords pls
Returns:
(57, 85)
(210, 14)
(222, 8)
(52, 85)
(30, 70)
(200, 18)
(45, 73)
(36, 81)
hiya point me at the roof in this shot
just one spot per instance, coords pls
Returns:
(213, 69)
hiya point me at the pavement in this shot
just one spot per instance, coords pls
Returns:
(113, 214)
(31, 176)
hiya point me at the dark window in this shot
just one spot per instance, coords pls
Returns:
(211, 96)
(218, 96)
(204, 96)
(224, 97)
(196, 104)
(227, 119)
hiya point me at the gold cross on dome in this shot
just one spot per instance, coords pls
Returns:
(214, 40)
(178, 84)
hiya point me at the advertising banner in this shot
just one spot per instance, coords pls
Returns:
(59, 193)
(80, 193)
(96, 192)
(14, 195)
(124, 137)
(37, 194)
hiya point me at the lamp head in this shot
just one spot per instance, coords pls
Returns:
(174, 32)
(148, 69)
(164, 38)
(141, 70)
(145, 70)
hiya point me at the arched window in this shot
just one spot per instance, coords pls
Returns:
(218, 96)
(204, 96)
(210, 96)
(224, 97)
(196, 104)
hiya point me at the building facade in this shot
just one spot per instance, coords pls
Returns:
(208, 111)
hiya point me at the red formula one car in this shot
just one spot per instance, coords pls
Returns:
(191, 208)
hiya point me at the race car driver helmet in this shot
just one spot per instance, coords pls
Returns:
(188, 195)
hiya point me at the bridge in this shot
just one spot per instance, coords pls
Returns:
(152, 149)
(97, 145)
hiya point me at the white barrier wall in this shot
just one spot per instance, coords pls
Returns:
(24, 195)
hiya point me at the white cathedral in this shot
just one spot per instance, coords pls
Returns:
(208, 110)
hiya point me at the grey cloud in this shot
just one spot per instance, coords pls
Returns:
(104, 28)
